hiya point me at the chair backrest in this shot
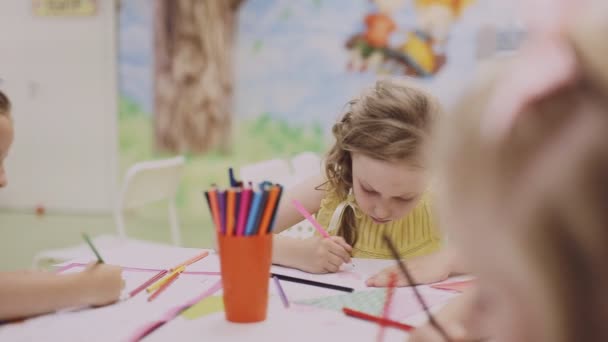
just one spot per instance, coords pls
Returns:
(305, 165)
(274, 170)
(151, 181)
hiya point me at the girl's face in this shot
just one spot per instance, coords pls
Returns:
(386, 191)
(6, 139)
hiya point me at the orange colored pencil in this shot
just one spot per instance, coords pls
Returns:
(230, 212)
(272, 201)
(192, 260)
(215, 210)
(161, 289)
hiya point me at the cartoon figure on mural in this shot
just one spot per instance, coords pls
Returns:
(421, 53)
(368, 49)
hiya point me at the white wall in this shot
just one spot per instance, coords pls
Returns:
(60, 73)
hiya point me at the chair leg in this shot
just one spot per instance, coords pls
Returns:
(120, 223)
(174, 223)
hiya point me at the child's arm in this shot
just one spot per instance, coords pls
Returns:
(424, 269)
(306, 193)
(458, 318)
(24, 294)
(315, 255)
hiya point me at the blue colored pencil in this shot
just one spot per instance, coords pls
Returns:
(253, 213)
(260, 213)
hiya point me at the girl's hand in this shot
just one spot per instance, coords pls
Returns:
(102, 284)
(325, 255)
(425, 269)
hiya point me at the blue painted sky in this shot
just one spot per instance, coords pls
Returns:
(290, 55)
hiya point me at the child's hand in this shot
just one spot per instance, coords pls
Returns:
(425, 269)
(326, 255)
(456, 319)
(102, 284)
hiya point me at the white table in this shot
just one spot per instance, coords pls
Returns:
(297, 323)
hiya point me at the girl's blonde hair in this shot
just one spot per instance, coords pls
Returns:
(549, 178)
(389, 122)
(5, 105)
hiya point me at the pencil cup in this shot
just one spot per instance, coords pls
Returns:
(245, 264)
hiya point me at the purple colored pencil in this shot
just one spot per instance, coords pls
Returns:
(281, 292)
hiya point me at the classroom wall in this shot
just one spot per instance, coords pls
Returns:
(293, 74)
(60, 73)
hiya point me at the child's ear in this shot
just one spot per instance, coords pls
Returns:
(536, 73)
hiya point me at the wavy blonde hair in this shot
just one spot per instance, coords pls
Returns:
(5, 105)
(389, 122)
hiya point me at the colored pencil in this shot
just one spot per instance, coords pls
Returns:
(147, 283)
(215, 211)
(308, 216)
(312, 283)
(387, 303)
(222, 207)
(163, 287)
(230, 209)
(192, 260)
(161, 282)
(273, 195)
(233, 181)
(281, 292)
(90, 243)
(255, 207)
(412, 282)
(276, 209)
(376, 319)
(237, 208)
(243, 211)
(260, 212)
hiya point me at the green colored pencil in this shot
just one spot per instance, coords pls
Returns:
(88, 241)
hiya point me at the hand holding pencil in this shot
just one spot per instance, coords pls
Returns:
(328, 252)
(101, 284)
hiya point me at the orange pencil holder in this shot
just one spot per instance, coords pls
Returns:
(245, 265)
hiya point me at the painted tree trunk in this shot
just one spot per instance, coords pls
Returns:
(193, 76)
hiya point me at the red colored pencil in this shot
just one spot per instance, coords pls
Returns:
(376, 319)
(387, 303)
(147, 283)
(164, 286)
(215, 211)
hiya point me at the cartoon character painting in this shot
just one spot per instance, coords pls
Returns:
(422, 52)
(367, 49)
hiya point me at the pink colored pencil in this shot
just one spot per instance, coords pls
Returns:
(308, 216)
(243, 211)
(148, 283)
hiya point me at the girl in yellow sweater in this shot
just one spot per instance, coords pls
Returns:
(375, 181)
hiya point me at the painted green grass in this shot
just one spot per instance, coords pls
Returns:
(257, 139)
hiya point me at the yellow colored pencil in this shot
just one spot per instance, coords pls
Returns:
(162, 281)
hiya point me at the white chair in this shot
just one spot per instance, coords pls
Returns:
(145, 183)
(299, 168)
(149, 182)
(305, 165)
(274, 170)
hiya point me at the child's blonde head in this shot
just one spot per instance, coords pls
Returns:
(389, 122)
(530, 209)
(5, 105)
